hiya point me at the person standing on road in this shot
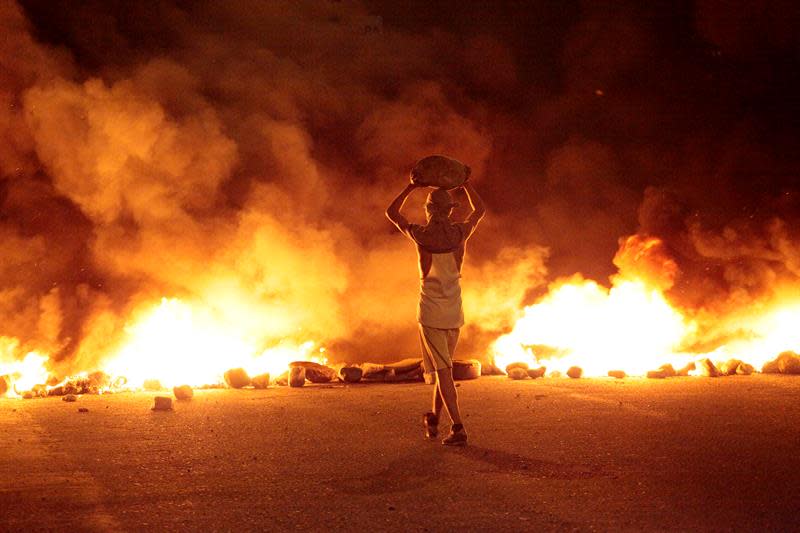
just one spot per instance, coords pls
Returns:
(440, 246)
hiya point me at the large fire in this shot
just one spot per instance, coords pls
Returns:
(179, 344)
(171, 343)
(630, 326)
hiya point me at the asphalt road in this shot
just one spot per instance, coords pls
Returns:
(552, 454)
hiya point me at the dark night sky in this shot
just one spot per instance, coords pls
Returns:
(585, 121)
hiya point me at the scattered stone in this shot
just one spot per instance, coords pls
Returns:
(518, 373)
(489, 369)
(183, 392)
(315, 372)
(656, 374)
(789, 363)
(619, 374)
(708, 369)
(297, 376)
(83, 409)
(686, 369)
(771, 367)
(536, 373)
(745, 369)
(523, 366)
(236, 378)
(440, 171)
(668, 370)
(56, 391)
(69, 398)
(350, 374)
(162, 403)
(575, 372)
(466, 369)
(5, 384)
(152, 385)
(729, 367)
(261, 381)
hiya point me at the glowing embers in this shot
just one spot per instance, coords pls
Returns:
(177, 343)
(580, 323)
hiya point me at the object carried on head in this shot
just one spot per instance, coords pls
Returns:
(440, 171)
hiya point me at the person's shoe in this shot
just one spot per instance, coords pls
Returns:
(431, 422)
(457, 437)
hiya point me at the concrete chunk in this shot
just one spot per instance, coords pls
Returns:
(162, 403)
(518, 373)
(575, 372)
(236, 378)
(297, 376)
(261, 381)
(183, 392)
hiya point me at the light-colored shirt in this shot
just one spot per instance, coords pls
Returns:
(440, 247)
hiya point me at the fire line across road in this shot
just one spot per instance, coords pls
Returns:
(676, 454)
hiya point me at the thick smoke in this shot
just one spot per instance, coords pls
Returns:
(239, 155)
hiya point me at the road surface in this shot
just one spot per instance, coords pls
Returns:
(550, 454)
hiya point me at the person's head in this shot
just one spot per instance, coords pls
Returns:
(439, 204)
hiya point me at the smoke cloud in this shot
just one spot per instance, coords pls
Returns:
(239, 155)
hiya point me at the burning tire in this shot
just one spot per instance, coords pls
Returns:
(466, 369)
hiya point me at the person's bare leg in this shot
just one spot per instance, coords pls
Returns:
(437, 399)
(447, 390)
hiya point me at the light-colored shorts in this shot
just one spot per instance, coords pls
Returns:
(438, 346)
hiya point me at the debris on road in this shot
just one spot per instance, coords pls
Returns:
(668, 370)
(708, 369)
(466, 369)
(517, 373)
(575, 372)
(315, 372)
(729, 367)
(789, 363)
(83, 409)
(261, 381)
(350, 374)
(183, 392)
(236, 378)
(69, 398)
(297, 376)
(536, 373)
(162, 403)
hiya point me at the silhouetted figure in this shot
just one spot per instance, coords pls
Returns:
(440, 245)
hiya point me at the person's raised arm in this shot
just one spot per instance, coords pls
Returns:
(393, 211)
(476, 202)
